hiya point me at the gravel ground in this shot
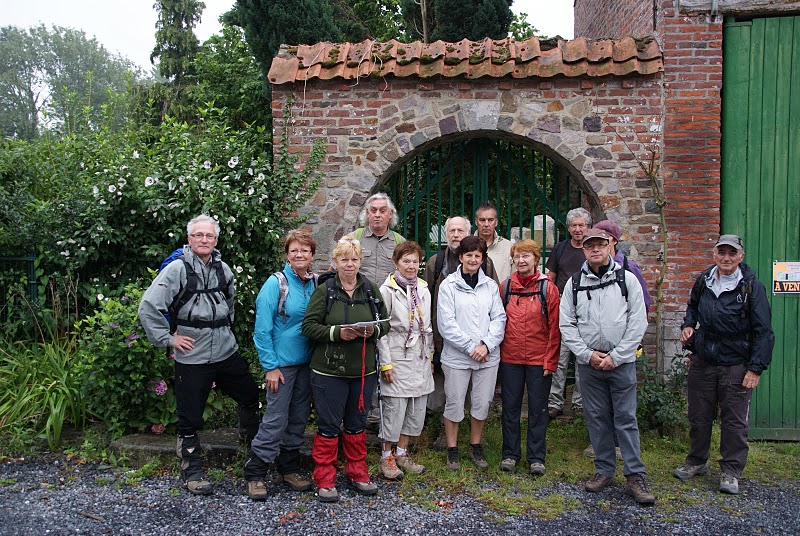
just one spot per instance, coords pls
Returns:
(54, 496)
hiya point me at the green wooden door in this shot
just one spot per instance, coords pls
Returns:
(761, 190)
(530, 191)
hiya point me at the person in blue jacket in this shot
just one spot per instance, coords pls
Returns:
(284, 353)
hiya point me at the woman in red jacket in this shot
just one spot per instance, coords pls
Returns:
(528, 354)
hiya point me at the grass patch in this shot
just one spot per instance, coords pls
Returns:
(518, 493)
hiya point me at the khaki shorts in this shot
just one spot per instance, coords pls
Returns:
(456, 383)
(402, 416)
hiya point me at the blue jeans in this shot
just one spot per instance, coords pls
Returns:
(284, 423)
(609, 405)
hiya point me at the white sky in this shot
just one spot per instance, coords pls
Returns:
(127, 27)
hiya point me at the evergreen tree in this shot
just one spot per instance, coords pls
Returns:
(474, 19)
(268, 24)
(176, 44)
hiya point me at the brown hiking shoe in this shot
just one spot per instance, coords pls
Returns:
(453, 461)
(296, 482)
(405, 463)
(637, 486)
(327, 495)
(476, 455)
(200, 486)
(598, 482)
(256, 490)
(389, 469)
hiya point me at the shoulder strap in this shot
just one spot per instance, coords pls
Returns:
(625, 262)
(373, 302)
(619, 280)
(283, 293)
(506, 291)
(543, 298)
(183, 296)
(358, 233)
(397, 237)
(439, 265)
(330, 285)
(576, 286)
(559, 251)
(623, 287)
(700, 283)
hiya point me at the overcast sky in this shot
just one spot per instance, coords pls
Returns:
(128, 26)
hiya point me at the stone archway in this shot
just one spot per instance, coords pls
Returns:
(372, 123)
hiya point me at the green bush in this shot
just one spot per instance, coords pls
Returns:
(661, 401)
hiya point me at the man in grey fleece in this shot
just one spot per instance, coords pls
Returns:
(197, 292)
(603, 324)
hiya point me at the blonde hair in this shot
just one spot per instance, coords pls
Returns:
(347, 246)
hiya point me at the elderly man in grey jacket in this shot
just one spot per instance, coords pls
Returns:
(602, 320)
(196, 290)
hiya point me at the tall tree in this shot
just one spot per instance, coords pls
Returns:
(369, 19)
(473, 19)
(268, 24)
(176, 44)
(55, 75)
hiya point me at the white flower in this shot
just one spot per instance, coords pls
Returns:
(260, 176)
(238, 269)
(65, 253)
(250, 171)
(83, 248)
(231, 219)
(149, 181)
(95, 191)
(203, 185)
(100, 297)
(102, 202)
(136, 154)
(233, 161)
(250, 191)
(207, 164)
(133, 211)
(122, 182)
(171, 234)
(123, 167)
(112, 188)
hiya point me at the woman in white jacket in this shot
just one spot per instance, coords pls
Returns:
(471, 320)
(405, 355)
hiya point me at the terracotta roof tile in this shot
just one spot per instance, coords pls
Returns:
(468, 59)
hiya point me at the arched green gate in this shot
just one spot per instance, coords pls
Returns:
(531, 191)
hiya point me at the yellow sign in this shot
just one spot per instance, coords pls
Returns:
(786, 277)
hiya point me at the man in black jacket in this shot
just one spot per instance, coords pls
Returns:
(728, 329)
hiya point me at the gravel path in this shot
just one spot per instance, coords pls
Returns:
(53, 496)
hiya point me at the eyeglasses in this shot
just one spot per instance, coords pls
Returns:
(595, 245)
(299, 251)
(207, 236)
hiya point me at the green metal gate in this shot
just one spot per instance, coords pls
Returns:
(530, 191)
(761, 190)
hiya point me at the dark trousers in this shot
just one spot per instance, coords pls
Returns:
(336, 400)
(193, 384)
(711, 386)
(514, 379)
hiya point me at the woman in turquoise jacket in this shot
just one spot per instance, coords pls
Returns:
(284, 353)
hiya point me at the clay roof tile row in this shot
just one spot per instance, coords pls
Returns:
(468, 59)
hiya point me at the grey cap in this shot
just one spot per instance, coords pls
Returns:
(731, 240)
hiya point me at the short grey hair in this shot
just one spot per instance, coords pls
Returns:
(451, 218)
(579, 212)
(362, 216)
(202, 218)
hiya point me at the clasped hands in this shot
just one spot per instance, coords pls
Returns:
(601, 361)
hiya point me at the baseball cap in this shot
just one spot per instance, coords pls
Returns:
(730, 240)
(594, 232)
(610, 227)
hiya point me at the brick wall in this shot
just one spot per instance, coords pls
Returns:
(615, 19)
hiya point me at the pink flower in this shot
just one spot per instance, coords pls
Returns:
(159, 387)
(158, 428)
(213, 385)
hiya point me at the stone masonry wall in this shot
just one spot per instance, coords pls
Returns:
(372, 127)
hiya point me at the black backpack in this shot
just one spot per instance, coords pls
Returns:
(192, 292)
(540, 291)
(618, 280)
(330, 285)
(746, 290)
(283, 293)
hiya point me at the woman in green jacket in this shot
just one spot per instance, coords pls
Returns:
(343, 319)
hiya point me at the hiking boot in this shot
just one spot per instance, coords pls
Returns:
(389, 469)
(200, 486)
(508, 464)
(554, 412)
(687, 470)
(256, 490)
(365, 488)
(453, 462)
(637, 486)
(728, 484)
(296, 482)
(598, 482)
(405, 463)
(328, 495)
(537, 469)
(476, 455)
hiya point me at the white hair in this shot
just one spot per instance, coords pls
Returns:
(579, 212)
(202, 218)
(362, 216)
(450, 220)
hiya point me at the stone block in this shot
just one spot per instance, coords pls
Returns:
(481, 115)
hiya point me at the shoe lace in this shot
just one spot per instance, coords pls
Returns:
(640, 482)
(390, 463)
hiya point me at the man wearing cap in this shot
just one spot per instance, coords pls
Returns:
(728, 329)
(603, 325)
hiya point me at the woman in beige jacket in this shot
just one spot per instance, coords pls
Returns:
(405, 355)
